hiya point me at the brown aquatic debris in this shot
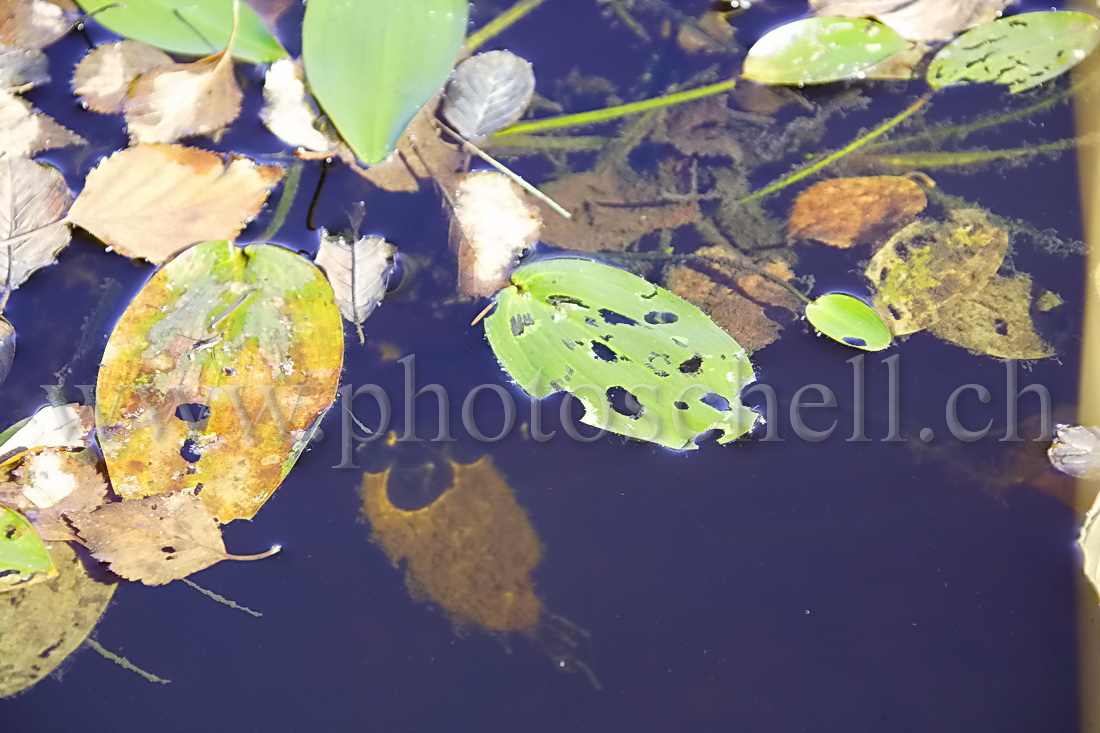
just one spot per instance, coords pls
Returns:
(52, 482)
(996, 321)
(846, 212)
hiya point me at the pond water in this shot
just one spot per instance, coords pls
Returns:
(839, 585)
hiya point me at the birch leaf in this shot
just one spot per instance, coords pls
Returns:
(33, 201)
(44, 623)
(23, 557)
(151, 201)
(1076, 451)
(183, 100)
(103, 76)
(916, 20)
(22, 68)
(358, 270)
(288, 111)
(33, 23)
(25, 131)
(157, 539)
(488, 92)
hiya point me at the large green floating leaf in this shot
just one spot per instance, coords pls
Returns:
(22, 554)
(820, 50)
(643, 362)
(190, 27)
(850, 321)
(216, 375)
(1021, 51)
(372, 64)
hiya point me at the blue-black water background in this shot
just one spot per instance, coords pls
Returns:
(759, 586)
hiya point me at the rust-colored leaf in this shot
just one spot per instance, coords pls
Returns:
(845, 212)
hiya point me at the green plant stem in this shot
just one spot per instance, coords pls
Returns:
(286, 200)
(536, 143)
(846, 150)
(964, 157)
(499, 24)
(610, 113)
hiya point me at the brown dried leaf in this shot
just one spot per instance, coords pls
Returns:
(22, 68)
(156, 539)
(104, 75)
(996, 321)
(471, 551)
(42, 624)
(183, 100)
(845, 212)
(917, 20)
(612, 208)
(420, 153)
(25, 131)
(33, 23)
(151, 201)
(33, 200)
(53, 482)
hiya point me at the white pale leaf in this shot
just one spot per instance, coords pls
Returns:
(359, 270)
(54, 426)
(1076, 451)
(488, 92)
(288, 112)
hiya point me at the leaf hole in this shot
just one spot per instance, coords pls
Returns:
(192, 412)
(680, 405)
(624, 403)
(1000, 325)
(691, 366)
(854, 341)
(717, 401)
(168, 549)
(612, 318)
(190, 451)
(660, 317)
(520, 322)
(603, 352)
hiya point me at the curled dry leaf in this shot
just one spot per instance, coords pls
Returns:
(288, 111)
(846, 212)
(176, 101)
(157, 539)
(53, 482)
(995, 321)
(1076, 451)
(917, 20)
(488, 92)
(471, 551)
(33, 202)
(33, 23)
(25, 131)
(104, 75)
(493, 224)
(42, 624)
(22, 68)
(924, 268)
(359, 269)
(151, 201)
(53, 426)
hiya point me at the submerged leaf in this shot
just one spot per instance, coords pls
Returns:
(405, 50)
(103, 76)
(820, 50)
(23, 557)
(845, 212)
(190, 27)
(151, 201)
(643, 362)
(26, 131)
(358, 270)
(33, 201)
(927, 266)
(471, 551)
(216, 375)
(1076, 451)
(42, 624)
(848, 320)
(995, 321)
(288, 111)
(1021, 51)
(917, 20)
(488, 92)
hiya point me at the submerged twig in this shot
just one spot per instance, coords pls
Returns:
(221, 599)
(124, 662)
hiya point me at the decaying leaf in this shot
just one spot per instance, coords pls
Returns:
(358, 268)
(25, 131)
(705, 127)
(53, 482)
(157, 539)
(22, 68)
(493, 224)
(23, 557)
(995, 321)
(104, 75)
(1076, 451)
(53, 426)
(487, 92)
(927, 266)
(845, 212)
(289, 112)
(737, 299)
(217, 374)
(471, 551)
(33, 23)
(42, 624)
(420, 154)
(151, 201)
(917, 20)
(33, 201)
(176, 101)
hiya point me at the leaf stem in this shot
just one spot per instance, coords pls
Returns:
(610, 113)
(851, 147)
(499, 24)
(286, 200)
(259, 556)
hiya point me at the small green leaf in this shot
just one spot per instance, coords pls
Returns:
(189, 27)
(22, 554)
(372, 64)
(643, 362)
(820, 50)
(850, 321)
(1021, 51)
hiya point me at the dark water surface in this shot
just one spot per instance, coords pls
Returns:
(759, 586)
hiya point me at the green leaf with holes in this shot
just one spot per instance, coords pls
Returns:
(643, 362)
(820, 50)
(190, 27)
(23, 557)
(372, 64)
(850, 321)
(1020, 51)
